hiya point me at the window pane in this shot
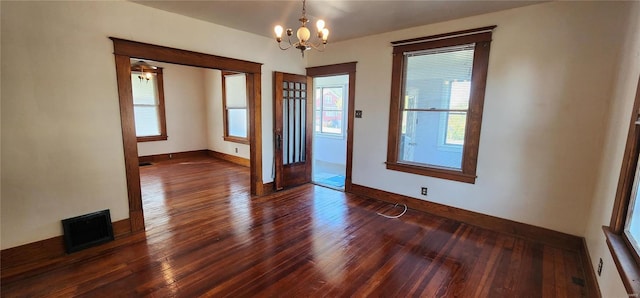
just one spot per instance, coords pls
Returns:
(237, 125)
(332, 98)
(456, 125)
(317, 121)
(235, 91)
(146, 118)
(432, 78)
(318, 103)
(332, 122)
(144, 92)
(421, 140)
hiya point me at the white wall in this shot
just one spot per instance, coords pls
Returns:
(215, 125)
(547, 93)
(184, 99)
(616, 128)
(62, 150)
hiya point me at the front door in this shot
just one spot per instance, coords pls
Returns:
(292, 131)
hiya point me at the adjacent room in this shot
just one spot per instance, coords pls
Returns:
(377, 148)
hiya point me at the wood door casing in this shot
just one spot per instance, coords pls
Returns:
(293, 109)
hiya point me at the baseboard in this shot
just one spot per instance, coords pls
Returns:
(230, 158)
(268, 188)
(593, 290)
(489, 222)
(172, 155)
(36, 256)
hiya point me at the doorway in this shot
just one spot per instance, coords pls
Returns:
(330, 103)
(333, 116)
(124, 50)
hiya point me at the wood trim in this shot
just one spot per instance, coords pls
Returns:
(130, 144)
(625, 262)
(627, 171)
(152, 138)
(225, 111)
(268, 188)
(433, 172)
(230, 158)
(332, 70)
(493, 223)
(254, 83)
(124, 50)
(444, 35)
(593, 289)
(173, 155)
(337, 69)
(189, 58)
(40, 256)
(624, 255)
(482, 42)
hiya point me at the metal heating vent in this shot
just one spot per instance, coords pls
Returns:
(87, 230)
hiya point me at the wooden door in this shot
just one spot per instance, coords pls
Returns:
(293, 112)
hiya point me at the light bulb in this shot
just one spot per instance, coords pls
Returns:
(303, 34)
(325, 34)
(278, 29)
(148, 75)
(320, 25)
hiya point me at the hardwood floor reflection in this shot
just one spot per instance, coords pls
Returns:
(206, 236)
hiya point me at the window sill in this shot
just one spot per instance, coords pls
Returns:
(432, 172)
(152, 138)
(627, 266)
(237, 140)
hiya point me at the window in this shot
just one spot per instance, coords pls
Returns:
(329, 110)
(234, 105)
(437, 95)
(148, 105)
(623, 233)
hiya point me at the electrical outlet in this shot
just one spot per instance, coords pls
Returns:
(600, 267)
(358, 113)
(170, 156)
(423, 191)
(236, 150)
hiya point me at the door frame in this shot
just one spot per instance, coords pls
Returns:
(124, 50)
(348, 68)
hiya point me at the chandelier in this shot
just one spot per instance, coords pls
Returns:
(303, 34)
(145, 70)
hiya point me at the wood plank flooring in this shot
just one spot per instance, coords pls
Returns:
(206, 236)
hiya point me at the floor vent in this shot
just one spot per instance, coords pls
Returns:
(87, 230)
(144, 163)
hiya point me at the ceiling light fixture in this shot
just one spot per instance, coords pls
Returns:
(141, 66)
(303, 34)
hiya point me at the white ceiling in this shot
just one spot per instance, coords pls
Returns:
(346, 19)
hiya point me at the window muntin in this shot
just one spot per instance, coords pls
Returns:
(437, 96)
(148, 105)
(234, 102)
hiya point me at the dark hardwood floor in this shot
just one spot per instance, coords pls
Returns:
(206, 236)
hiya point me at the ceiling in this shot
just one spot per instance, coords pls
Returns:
(346, 19)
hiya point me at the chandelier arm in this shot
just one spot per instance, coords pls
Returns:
(285, 48)
(319, 46)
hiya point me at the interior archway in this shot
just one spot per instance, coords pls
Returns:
(124, 50)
